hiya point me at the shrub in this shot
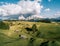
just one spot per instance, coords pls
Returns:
(38, 34)
(34, 28)
(46, 21)
(4, 25)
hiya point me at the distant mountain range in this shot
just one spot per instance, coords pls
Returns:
(29, 18)
(20, 17)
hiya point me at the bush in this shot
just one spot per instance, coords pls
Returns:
(34, 28)
(46, 21)
(38, 34)
(4, 25)
(31, 42)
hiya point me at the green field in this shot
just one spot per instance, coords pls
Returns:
(47, 32)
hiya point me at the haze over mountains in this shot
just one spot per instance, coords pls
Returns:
(33, 18)
(20, 17)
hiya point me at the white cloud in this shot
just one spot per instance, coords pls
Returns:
(38, 0)
(29, 0)
(47, 10)
(34, 17)
(10, 9)
(22, 7)
(28, 6)
(21, 17)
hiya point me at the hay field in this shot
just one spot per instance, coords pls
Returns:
(9, 37)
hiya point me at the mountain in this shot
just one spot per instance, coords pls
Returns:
(10, 17)
(58, 18)
(34, 17)
(27, 17)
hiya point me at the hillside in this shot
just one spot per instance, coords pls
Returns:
(48, 32)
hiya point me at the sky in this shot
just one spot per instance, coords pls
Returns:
(45, 8)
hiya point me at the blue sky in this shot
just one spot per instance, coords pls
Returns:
(9, 1)
(54, 6)
(51, 8)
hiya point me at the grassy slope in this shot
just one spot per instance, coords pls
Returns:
(10, 38)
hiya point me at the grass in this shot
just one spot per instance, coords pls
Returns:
(11, 38)
(50, 30)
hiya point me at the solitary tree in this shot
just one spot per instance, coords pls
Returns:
(34, 28)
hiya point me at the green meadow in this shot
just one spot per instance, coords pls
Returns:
(46, 32)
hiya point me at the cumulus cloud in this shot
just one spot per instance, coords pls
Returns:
(38, 0)
(47, 10)
(22, 7)
(9, 9)
(34, 17)
(21, 17)
(29, 6)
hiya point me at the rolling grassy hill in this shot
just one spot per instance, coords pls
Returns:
(48, 31)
